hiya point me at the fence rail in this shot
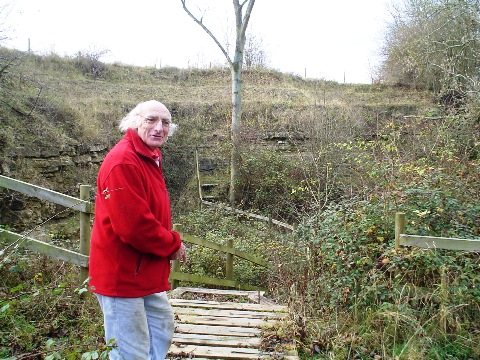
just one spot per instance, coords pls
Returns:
(85, 207)
(430, 242)
(71, 202)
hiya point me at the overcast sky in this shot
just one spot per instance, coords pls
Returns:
(330, 39)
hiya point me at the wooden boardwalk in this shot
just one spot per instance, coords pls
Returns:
(209, 329)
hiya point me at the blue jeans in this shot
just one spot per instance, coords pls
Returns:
(142, 327)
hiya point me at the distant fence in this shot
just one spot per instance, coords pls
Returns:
(86, 209)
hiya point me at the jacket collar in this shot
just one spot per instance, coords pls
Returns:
(141, 148)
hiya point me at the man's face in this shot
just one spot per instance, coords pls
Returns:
(153, 130)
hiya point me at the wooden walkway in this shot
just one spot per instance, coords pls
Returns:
(210, 329)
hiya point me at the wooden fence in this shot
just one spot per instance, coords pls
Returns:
(430, 242)
(86, 209)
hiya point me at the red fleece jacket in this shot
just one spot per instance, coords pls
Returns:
(131, 238)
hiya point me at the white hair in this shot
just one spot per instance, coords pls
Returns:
(133, 120)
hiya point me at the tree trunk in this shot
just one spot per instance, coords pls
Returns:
(241, 24)
(236, 71)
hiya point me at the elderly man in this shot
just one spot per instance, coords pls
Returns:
(132, 242)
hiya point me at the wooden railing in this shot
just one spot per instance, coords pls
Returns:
(231, 252)
(430, 242)
(83, 205)
(86, 208)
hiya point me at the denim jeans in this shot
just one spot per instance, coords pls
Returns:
(142, 327)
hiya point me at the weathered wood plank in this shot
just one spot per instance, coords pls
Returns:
(229, 313)
(182, 290)
(213, 352)
(45, 248)
(217, 330)
(216, 352)
(227, 305)
(46, 194)
(216, 340)
(255, 296)
(224, 321)
(431, 242)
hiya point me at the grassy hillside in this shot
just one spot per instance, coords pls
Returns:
(336, 160)
(53, 105)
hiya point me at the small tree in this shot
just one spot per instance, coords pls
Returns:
(89, 62)
(434, 43)
(254, 53)
(242, 10)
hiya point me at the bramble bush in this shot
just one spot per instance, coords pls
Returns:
(42, 312)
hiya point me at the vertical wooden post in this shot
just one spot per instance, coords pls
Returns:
(176, 263)
(85, 230)
(443, 298)
(399, 228)
(229, 264)
(199, 183)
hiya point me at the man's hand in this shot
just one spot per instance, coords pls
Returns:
(180, 254)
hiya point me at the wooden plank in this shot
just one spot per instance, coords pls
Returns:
(256, 296)
(229, 313)
(216, 340)
(224, 321)
(214, 352)
(431, 242)
(41, 247)
(217, 352)
(217, 330)
(46, 194)
(227, 305)
(181, 290)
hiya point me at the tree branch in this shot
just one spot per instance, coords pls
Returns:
(200, 22)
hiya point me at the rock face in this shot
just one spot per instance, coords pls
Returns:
(59, 169)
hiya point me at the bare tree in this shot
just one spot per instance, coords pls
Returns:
(243, 10)
(254, 53)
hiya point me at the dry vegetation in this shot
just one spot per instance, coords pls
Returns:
(337, 160)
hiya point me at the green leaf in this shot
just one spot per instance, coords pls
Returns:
(49, 343)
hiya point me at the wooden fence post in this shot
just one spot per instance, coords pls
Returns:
(85, 230)
(229, 264)
(443, 298)
(399, 228)
(176, 263)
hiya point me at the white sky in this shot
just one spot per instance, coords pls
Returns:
(330, 39)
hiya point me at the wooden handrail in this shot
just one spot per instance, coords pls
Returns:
(81, 258)
(41, 247)
(46, 194)
(430, 242)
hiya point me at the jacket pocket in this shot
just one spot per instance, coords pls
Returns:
(139, 265)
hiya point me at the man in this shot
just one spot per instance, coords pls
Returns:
(132, 242)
